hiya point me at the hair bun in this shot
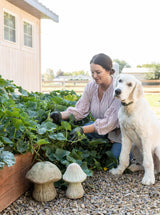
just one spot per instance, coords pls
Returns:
(112, 71)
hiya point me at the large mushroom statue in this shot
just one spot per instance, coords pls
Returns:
(43, 175)
(74, 175)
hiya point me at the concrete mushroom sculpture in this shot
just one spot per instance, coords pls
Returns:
(74, 175)
(43, 175)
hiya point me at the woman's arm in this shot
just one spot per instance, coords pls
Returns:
(65, 115)
(88, 129)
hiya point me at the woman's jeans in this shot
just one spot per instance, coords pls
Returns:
(116, 147)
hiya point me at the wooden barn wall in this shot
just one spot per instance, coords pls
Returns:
(17, 62)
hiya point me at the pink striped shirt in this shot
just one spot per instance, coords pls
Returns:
(105, 112)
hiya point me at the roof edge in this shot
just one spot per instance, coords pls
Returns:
(43, 9)
(35, 8)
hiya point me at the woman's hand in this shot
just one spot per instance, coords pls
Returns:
(56, 117)
(75, 133)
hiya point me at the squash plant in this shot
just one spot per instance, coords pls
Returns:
(25, 126)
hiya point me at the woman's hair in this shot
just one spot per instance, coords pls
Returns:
(104, 61)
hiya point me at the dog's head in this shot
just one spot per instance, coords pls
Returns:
(127, 88)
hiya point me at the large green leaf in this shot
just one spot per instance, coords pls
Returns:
(86, 170)
(42, 142)
(42, 129)
(6, 140)
(60, 154)
(7, 158)
(71, 159)
(65, 125)
(22, 146)
(76, 154)
(46, 126)
(22, 91)
(60, 137)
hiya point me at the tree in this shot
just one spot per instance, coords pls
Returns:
(122, 64)
(59, 73)
(80, 72)
(155, 70)
(76, 73)
(48, 75)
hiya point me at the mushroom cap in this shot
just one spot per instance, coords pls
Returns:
(43, 172)
(74, 174)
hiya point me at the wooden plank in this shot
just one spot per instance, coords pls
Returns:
(151, 91)
(150, 81)
(151, 86)
(51, 86)
(12, 180)
(73, 81)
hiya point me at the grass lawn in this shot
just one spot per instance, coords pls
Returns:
(154, 102)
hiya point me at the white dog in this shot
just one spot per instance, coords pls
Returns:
(139, 125)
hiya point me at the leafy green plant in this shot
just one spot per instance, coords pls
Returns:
(25, 126)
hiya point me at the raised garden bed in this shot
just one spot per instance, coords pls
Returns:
(12, 180)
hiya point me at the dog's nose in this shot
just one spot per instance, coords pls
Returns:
(118, 92)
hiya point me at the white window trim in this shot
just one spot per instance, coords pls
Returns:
(15, 15)
(31, 23)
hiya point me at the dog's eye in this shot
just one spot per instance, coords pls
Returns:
(129, 84)
(120, 80)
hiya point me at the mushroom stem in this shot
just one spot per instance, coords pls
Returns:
(44, 192)
(75, 190)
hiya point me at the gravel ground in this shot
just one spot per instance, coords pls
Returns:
(104, 194)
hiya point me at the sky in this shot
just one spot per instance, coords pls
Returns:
(123, 29)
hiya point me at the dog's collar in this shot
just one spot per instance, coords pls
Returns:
(126, 104)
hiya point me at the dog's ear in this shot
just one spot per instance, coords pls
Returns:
(138, 90)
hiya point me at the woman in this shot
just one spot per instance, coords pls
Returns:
(98, 99)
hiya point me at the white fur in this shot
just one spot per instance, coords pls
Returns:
(139, 125)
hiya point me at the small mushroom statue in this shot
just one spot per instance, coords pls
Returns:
(74, 175)
(43, 175)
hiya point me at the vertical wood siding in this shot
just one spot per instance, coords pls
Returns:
(18, 63)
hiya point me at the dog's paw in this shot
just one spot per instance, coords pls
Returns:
(115, 171)
(148, 180)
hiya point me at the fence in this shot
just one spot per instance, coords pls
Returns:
(76, 85)
(149, 86)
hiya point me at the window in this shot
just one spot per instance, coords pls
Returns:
(9, 27)
(27, 34)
